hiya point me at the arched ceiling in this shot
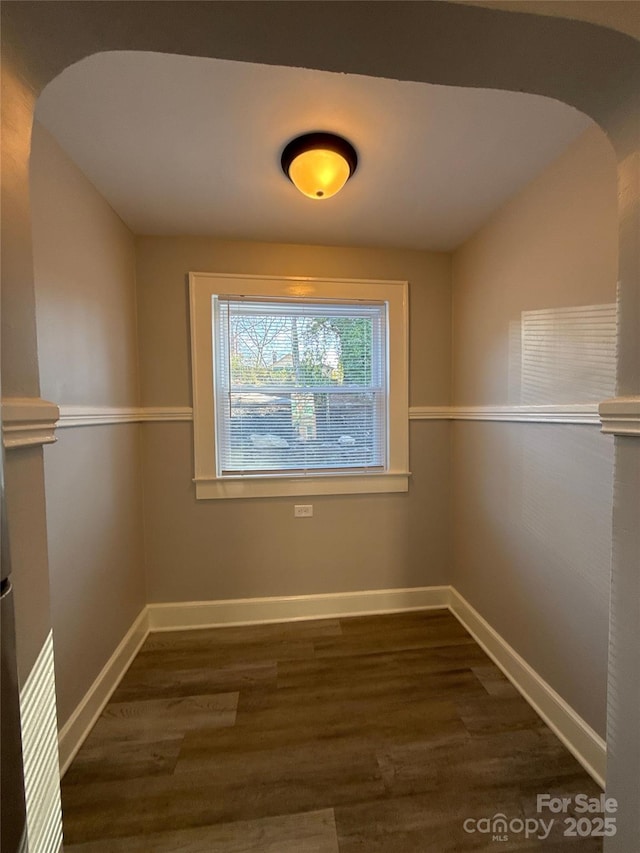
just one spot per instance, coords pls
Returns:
(186, 145)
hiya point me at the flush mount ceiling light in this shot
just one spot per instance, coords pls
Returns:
(319, 164)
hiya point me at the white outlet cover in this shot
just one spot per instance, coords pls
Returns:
(303, 510)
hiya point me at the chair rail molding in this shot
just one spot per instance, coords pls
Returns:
(621, 416)
(81, 416)
(430, 413)
(28, 421)
(562, 413)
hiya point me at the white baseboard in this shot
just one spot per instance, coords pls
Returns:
(74, 732)
(580, 739)
(253, 611)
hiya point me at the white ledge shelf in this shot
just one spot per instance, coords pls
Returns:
(28, 422)
(621, 416)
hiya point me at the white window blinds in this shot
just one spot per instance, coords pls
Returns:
(299, 386)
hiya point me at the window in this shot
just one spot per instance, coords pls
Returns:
(299, 386)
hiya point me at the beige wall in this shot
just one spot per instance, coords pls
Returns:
(23, 472)
(25, 496)
(163, 264)
(553, 246)
(85, 297)
(226, 549)
(533, 502)
(84, 260)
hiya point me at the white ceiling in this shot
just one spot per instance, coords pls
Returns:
(183, 145)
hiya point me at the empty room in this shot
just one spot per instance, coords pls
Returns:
(320, 420)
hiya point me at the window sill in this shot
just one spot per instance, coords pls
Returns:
(279, 486)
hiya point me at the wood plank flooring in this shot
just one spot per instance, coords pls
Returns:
(378, 734)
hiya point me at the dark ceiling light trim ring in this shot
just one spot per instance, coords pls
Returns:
(327, 141)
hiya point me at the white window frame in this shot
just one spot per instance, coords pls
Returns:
(203, 287)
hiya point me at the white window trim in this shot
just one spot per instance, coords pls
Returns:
(202, 287)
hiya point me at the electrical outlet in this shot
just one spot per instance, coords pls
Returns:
(303, 510)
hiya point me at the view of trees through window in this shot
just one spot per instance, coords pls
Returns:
(273, 350)
(300, 386)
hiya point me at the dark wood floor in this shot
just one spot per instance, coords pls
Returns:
(373, 734)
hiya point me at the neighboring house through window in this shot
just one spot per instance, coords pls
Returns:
(299, 385)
